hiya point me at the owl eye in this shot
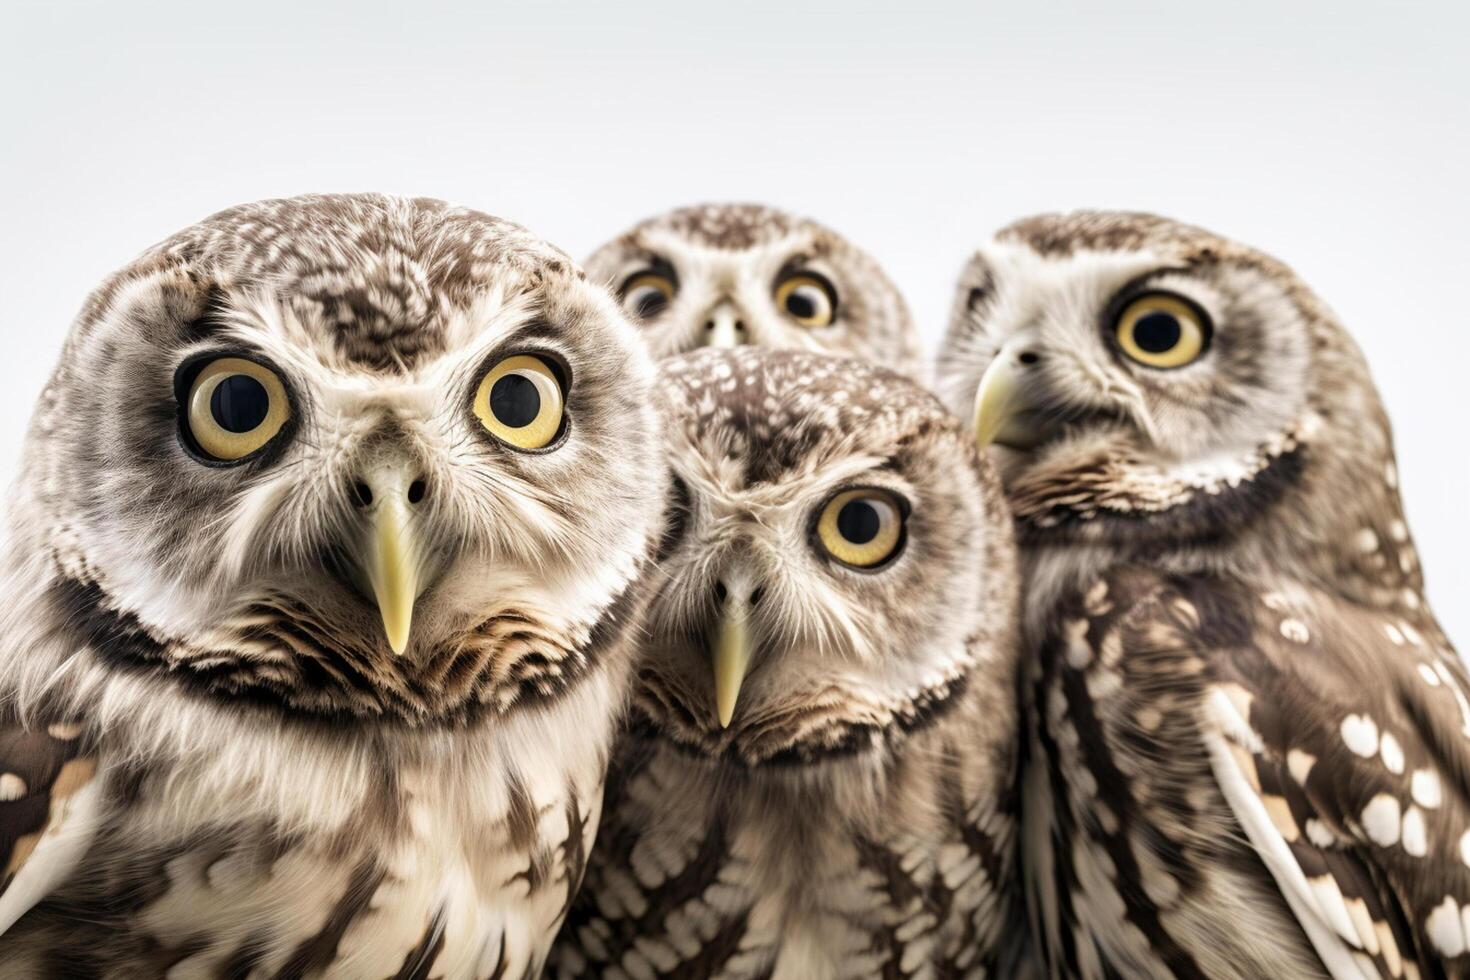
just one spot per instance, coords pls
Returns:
(807, 298)
(647, 294)
(862, 528)
(235, 407)
(520, 402)
(1162, 330)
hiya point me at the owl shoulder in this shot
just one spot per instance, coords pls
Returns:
(1337, 733)
(49, 798)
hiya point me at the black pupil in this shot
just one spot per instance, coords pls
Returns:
(858, 521)
(239, 403)
(1157, 333)
(800, 305)
(515, 401)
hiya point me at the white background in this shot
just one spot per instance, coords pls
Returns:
(1333, 135)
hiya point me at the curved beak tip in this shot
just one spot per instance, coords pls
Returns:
(995, 400)
(397, 629)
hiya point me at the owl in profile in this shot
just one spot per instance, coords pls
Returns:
(819, 777)
(1250, 740)
(324, 561)
(730, 275)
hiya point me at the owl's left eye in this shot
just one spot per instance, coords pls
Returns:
(1162, 330)
(235, 407)
(808, 298)
(862, 528)
(520, 402)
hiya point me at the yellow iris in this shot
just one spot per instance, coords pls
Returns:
(808, 299)
(236, 407)
(862, 528)
(520, 402)
(1161, 331)
(647, 293)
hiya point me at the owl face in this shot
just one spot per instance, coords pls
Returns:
(839, 558)
(734, 275)
(342, 449)
(1142, 378)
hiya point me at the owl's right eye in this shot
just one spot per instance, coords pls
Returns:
(648, 293)
(235, 407)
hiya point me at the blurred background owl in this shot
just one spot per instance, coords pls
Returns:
(819, 778)
(727, 275)
(1250, 749)
(332, 527)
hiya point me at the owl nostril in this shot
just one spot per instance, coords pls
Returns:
(740, 326)
(1028, 357)
(722, 593)
(709, 324)
(362, 494)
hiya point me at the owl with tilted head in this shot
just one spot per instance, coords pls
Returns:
(730, 275)
(819, 774)
(324, 566)
(1249, 748)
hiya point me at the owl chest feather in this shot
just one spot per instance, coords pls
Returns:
(451, 856)
(851, 872)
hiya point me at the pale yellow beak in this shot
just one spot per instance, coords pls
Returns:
(731, 659)
(392, 567)
(997, 399)
(723, 327)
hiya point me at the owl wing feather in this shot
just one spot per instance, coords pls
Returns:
(1340, 738)
(49, 802)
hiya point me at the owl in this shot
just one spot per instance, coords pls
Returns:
(727, 275)
(325, 561)
(1249, 750)
(819, 774)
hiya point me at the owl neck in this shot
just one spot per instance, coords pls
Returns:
(1318, 502)
(792, 734)
(275, 657)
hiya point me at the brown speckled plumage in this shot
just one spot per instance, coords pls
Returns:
(726, 260)
(230, 771)
(856, 817)
(1248, 750)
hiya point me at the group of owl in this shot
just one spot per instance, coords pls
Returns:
(386, 596)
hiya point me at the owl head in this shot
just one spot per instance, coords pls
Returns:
(728, 275)
(838, 563)
(1152, 387)
(352, 455)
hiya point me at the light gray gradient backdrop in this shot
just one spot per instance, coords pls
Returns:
(1332, 135)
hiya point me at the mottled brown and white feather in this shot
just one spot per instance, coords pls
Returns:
(725, 264)
(211, 761)
(857, 817)
(1240, 703)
